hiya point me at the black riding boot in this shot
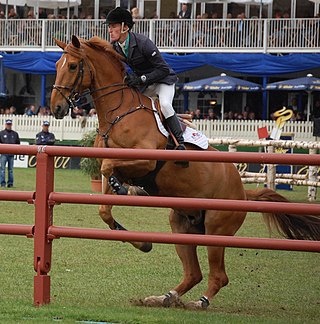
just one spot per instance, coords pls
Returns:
(174, 126)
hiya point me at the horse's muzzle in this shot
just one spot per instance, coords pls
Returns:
(60, 112)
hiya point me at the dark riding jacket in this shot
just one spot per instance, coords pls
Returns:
(144, 58)
(45, 138)
(8, 136)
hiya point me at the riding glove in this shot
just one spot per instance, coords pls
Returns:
(134, 80)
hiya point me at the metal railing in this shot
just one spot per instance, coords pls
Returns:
(173, 35)
(74, 129)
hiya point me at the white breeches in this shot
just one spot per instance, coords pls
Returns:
(165, 93)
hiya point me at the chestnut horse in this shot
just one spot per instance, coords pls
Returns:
(92, 70)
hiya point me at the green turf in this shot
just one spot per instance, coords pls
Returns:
(96, 280)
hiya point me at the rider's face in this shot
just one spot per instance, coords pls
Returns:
(114, 31)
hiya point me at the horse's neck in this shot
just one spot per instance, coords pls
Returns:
(108, 78)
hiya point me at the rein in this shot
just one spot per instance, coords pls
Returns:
(76, 98)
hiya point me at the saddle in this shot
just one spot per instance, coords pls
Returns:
(184, 119)
(190, 133)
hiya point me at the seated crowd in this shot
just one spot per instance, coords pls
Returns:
(196, 114)
(32, 110)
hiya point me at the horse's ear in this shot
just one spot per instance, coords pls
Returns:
(62, 45)
(75, 41)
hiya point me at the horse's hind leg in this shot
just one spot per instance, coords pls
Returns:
(191, 268)
(217, 223)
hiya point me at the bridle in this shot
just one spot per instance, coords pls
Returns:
(74, 94)
(78, 98)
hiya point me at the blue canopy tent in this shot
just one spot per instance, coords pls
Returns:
(262, 65)
(2, 79)
(308, 84)
(221, 84)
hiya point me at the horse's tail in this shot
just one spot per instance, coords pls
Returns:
(291, 226)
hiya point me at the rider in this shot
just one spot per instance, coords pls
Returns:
(150, 69)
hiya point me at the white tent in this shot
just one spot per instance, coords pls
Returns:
(226, 2)
(256, 2)
(53, 4)
(15, 2)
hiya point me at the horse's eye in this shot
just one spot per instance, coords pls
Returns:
(73, 67)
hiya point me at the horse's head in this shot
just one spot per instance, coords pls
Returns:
(74, 75)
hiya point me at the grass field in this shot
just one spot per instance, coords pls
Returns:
(95, 280)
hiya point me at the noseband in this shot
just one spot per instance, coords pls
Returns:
(79, 99)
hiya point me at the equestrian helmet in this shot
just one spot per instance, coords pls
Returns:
(118, 16)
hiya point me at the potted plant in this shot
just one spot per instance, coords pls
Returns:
(91, 166)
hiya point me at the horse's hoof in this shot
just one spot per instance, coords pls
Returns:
(146, 247)
(154, 301)
(196, 305)
(166, 300)
(137, 191)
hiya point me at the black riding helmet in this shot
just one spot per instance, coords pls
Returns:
(118, 16)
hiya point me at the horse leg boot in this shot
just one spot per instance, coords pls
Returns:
(175, 128)
(117, 186)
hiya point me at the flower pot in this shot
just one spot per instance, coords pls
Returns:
(96, 185)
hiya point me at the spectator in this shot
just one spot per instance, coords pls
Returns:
(31, 110)
(92, 113)
(211, 115)
(8, 136)
(230, 115)
(251, 115)
(31, 15)
(135, 13)
(173, 15)
(45, 137)
(43, 111)
(197, 114)
(12, 110)
(12, 14)
(42, 13)
(316, 109)
(78, 112)
(185, 13)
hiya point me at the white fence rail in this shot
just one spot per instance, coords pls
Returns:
(173, 35)
(73, 129)
(247, 129)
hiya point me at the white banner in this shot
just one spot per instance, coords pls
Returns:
(21, 161)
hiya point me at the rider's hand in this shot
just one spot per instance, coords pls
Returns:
(133, 80)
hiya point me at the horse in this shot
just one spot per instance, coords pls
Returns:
(91, 71)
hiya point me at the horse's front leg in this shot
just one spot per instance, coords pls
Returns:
(105, 210)
(128, 169)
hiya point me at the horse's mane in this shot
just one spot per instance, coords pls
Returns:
(99, 44)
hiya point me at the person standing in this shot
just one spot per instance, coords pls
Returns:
(151, 72)
(8, 136)
(45, 137)
(185, 13)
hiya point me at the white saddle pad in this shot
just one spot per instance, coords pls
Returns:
(190, 135)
